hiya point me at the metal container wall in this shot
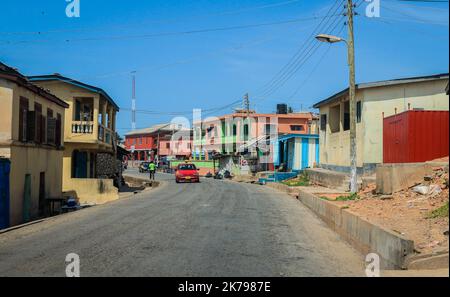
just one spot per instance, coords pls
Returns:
(416, 136)
(4, 193)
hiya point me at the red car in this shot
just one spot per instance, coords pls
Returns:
(187, 173)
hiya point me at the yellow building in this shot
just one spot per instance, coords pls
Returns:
(90, 138)
(30, 139)
(373, 99)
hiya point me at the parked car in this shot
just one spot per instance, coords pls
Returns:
(144, 167)
(187, 173)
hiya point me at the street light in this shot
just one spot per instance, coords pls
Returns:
(352, 91)
(329, 38)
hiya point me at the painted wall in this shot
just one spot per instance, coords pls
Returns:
(335, 147)
(27, 158)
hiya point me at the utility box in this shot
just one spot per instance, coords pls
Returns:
(415, 136)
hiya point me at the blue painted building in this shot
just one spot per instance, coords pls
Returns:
(297, 151)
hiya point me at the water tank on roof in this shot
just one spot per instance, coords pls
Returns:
(282, 109)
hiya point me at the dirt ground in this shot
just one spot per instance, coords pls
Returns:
(408, 212)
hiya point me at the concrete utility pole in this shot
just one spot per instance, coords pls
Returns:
(352, 90)
(352, 99)
(133, 101)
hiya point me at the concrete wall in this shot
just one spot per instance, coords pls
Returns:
(392, 178)
(364, 236)
(92, 191)
(33, 161)
(335, 147)
(330, 179)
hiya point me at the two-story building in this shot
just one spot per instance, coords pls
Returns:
(241, 139)
(90, 138)
(31, 148)
(375, 101)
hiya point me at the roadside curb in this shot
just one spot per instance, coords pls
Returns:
(161, 184)
(24, 225)
(429, 261)
(364, 236)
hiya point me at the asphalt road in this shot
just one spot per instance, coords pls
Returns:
(215, 228)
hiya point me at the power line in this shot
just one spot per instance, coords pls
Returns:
(301, 57)
(294, 58)
(162, 34)
(167, 21)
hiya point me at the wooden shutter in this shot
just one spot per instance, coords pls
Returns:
(58, 130)
(31, 126)
(51, 131)
(23, 116)
(42, 137)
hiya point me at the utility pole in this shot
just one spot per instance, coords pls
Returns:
(133, 101)
(352, 99)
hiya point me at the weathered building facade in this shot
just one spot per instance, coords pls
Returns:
(31, 139)
(374, 102)
(90, 131)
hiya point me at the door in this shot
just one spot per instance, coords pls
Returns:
(81, 165)
(41, 193)
(305, 153)
(4, 193)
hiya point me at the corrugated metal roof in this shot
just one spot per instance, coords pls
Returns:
(58, 77)
(384, 83)
(168, 127)
(12, 74)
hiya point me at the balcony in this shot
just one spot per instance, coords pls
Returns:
(106, 135)
(79, 127)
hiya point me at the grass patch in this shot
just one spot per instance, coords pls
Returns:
(300, 181)
(351, 197)
(441, 212)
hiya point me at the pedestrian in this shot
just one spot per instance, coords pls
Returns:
(152, 170)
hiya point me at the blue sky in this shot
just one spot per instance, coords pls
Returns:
(177, 72)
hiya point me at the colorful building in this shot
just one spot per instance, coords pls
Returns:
(159, 142)
(90, 139)
(297, 151)
(375, 101)
(31, 148)
(241, 143)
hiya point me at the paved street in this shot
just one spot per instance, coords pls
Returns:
(215, 228)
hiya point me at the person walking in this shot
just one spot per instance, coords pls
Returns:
(152, 170)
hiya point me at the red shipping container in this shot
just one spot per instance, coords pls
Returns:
(415, 136)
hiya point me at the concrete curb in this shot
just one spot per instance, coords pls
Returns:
(428, 261)
(160, 184)
(364, 236)
(23, 225)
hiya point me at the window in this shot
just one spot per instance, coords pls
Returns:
(346, 123)
(168, 145)
(323, 122)
(246, 132)
(23, 116)
(297, 128)
(335, 118)
(358, 111)
(234, 130)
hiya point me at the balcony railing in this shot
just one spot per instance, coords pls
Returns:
(82, 127)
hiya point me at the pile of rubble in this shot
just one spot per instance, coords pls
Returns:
(409, 212)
